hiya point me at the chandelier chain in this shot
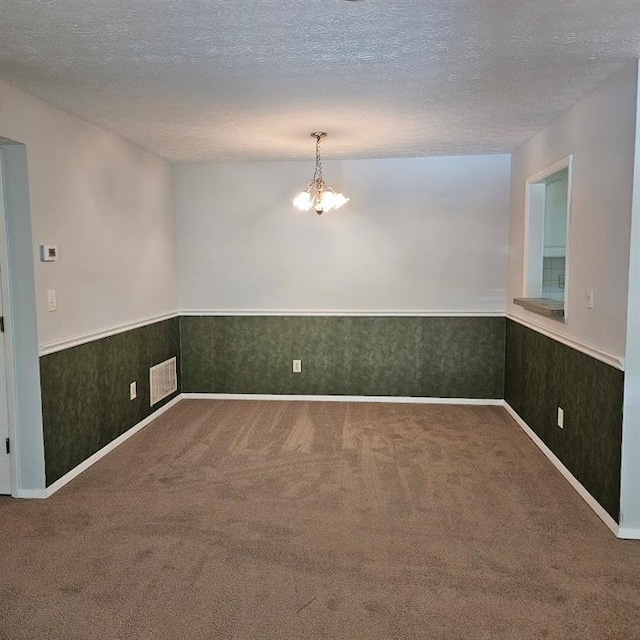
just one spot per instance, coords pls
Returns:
(317, 176)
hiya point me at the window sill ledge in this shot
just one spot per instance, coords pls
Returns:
(553, 309)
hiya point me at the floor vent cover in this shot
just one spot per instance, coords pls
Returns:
(163, 380)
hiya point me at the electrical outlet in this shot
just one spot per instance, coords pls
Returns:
(561, 418)
(133, 391)
(297, 366)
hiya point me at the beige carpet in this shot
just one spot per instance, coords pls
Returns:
(258, 520)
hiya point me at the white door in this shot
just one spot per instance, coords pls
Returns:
(5, 467)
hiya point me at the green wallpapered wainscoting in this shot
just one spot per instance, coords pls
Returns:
(448, 357)
(542, 375)
(85, 391)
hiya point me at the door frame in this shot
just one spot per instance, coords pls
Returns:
(24, 398)
(5, 283)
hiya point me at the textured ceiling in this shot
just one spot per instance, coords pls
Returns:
(249, 79)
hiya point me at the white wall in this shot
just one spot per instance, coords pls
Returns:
(599, 131)
(108, 205)
(420, 234)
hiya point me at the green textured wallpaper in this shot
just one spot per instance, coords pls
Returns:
(85, 391)
(542, 375)
(446, 357)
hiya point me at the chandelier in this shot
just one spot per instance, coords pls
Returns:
(319, 196)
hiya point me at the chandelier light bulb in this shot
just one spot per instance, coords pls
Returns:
(302, 201)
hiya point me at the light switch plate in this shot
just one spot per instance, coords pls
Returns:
(52, 303)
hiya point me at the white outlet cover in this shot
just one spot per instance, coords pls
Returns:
(561, 418)
(133, 391)
(297, 366)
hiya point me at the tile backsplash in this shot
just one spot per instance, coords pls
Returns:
(553, 271)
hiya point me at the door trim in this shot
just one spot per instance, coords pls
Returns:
(8, 333)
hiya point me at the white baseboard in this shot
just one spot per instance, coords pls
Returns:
(584, 494)
(31, 494)
(314, 398)
(628, 533)
(83, 466)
